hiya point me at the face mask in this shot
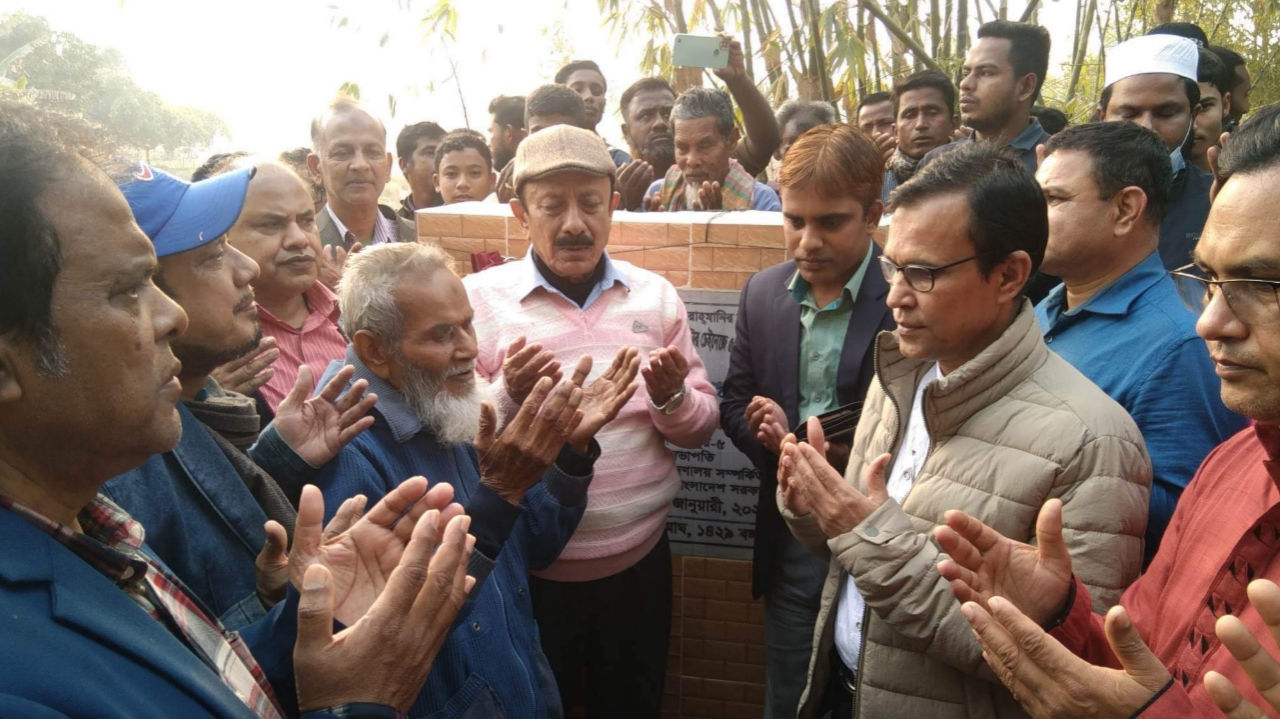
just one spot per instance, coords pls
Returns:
(1176, 158)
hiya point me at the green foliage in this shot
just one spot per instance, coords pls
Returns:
(62, 72)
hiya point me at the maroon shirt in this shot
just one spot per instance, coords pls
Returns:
(1224, 534)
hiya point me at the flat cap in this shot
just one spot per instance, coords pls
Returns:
(561, 148)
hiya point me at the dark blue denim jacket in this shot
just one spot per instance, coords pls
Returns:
(201, 519)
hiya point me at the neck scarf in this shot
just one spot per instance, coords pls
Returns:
(737, 190)
(903, 165)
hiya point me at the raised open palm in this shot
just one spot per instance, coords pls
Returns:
(317, 428)
(986, 564)
(604, 398)
(360, 552)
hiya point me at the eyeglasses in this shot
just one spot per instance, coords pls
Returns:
(1253, 302)
(919, 277)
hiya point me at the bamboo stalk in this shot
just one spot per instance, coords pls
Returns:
(896, 30)
(795, 37)
(934, 21)
(746, 39)
(1029, 13)
(1078, 61)
(819, 54)
(962, 28)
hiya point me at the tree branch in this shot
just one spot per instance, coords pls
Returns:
(896, 30)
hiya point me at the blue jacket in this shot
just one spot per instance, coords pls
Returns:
(77, 646)
(492, 665)
(201, 519)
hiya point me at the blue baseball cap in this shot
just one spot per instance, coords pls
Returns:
(178, 215)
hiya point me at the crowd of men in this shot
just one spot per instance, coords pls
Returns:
(263, 454)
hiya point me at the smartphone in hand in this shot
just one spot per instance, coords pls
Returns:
(707, 51)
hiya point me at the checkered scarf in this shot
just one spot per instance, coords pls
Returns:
(736, 191)
(112, 544)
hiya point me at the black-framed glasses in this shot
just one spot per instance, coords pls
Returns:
(1253, 302)
(919, 277)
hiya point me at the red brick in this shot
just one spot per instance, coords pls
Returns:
(704, 258)
(677, 629)
(726, 611)
(670, 706)
(695, 608)
(704, 588)
(743, 673)
(715, 280)
(703, 629)
(755, 613)
(738, 591)
(693, 649)
(760, 236)
(737, 259)
(678, 234)
(755, 654)
(708, 669)
(720, 233)
(732, 569)
(694, 567)
(690, 687)
(671, 685)
(746, 633)
(677, 278)
(649, 234)
(517, 248)
(489, 228)
(728, 691)
(433, 224)
(726, 651)
(769, 258)
(702, 708)
(515, 230)
(754, 694)
(736, 710)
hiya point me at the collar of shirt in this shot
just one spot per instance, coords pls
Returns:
(322, 305)
(533, 279)
(383, 229)
(803, 293)
(1030, 137)
(404, 422)
(110, 542)
(1114, 299)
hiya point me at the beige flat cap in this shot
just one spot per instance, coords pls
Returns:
(560, 148)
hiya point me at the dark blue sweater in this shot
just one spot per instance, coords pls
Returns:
(492, 664)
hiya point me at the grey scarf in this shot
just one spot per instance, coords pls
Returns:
(232, 420)
(903, 165)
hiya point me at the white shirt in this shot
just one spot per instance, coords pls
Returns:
(902, 475)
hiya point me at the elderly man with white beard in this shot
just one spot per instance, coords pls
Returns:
(409, 321)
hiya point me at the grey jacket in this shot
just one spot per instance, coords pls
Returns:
(329, 232)
(1010, 429)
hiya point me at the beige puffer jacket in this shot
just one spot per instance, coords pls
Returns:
(1009, 430)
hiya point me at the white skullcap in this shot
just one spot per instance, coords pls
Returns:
(1148, 54)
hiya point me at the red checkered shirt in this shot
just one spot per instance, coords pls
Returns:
(112, 543)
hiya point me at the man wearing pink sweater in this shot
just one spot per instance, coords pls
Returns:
(605, 605)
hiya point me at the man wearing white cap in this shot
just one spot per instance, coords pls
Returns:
(1152, 80)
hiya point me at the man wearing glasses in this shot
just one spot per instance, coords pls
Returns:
(1117, 317)
(1189, 637)
(970, 410)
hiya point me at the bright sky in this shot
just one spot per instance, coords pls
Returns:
(267, 66)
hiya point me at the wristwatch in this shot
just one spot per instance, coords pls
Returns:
(671, 405)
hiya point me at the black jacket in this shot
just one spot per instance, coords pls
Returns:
(770, 367)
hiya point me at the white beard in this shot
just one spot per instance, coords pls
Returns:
(452, 419)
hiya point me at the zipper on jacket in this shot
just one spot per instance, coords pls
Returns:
(866, 611)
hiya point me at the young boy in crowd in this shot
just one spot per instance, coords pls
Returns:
(464, 168)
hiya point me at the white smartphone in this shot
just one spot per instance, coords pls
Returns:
(707, 51)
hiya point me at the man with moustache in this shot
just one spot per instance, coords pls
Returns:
(97, 624)
(277, 230)
(206, 501)
(349, 158)
(604, 606)
(413, 341)
(804, 335)
(646, 123)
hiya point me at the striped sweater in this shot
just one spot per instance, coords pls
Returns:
(635, 477)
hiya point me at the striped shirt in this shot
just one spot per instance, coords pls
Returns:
(315, 345)
(111, 543)
(384, 229)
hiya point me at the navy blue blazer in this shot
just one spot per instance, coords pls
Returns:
(769, 366)
(77, 646)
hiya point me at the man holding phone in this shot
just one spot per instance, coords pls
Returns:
(646, 124)
(804, 327)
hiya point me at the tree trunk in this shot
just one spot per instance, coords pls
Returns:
(795, 38)
(677, 11)
(1082, 49)
(934, 28)
(962, 28)
(1004, 9)
(862, 57)
(1031, 14)
(746, 39)
(1164, 11)
(819, 64)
